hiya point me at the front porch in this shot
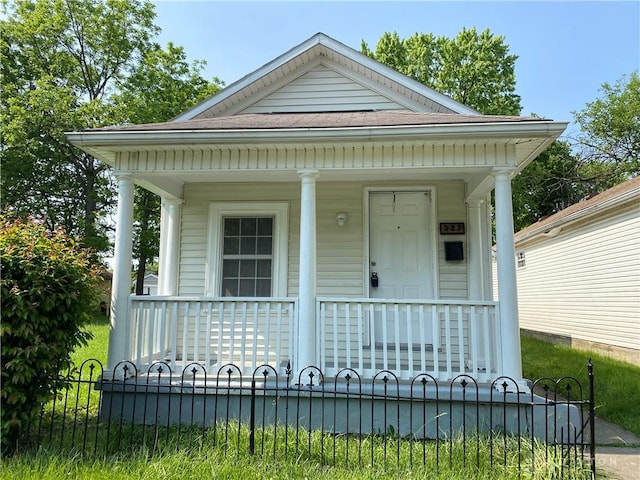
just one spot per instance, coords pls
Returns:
(405, 337)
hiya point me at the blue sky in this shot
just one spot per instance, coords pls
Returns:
(566, 49)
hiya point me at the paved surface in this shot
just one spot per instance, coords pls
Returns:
(617, 452)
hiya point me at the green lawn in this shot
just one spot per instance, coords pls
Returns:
(98, 345)
(617, 384)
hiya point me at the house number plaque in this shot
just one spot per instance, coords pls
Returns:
(451, 228)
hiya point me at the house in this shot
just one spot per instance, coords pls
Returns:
(579, 274)
(323, 210)
(149, 284)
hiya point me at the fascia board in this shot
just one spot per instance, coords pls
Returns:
(486, 130)
(341, 49)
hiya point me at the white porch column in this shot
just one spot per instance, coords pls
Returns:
(162, 251)
(307, 297)
(169, 246)
(476, 248)
(121, 283)
(511, 356)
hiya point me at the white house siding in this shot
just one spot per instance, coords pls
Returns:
(320, 90)
(340, 250)
(453, 275)
(585, 283)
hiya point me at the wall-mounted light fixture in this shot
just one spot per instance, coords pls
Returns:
(341, 218)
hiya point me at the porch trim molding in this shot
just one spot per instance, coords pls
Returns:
(506, 254)
(121, 286)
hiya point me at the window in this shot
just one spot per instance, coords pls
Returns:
(521, 262)
(247, 253)
(247, 256)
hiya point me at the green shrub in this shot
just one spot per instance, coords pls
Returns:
(48, 291)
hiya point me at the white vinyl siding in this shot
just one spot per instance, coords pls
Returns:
(340, 250)
(585, 283)
(320, 90)
(453, 275)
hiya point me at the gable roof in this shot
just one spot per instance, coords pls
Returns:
(322, 49)
(319, 120)
(614, 197)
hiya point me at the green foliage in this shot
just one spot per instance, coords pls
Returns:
(72, 65)
(474, 68)
(617, 389)
(163, 85)
(61, 62)
(610, 136)
(48, 291)
(547, 185)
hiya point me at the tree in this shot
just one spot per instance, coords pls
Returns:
(61, 63)
(163, 85)
(473, 68)
(547, 185)
(48, 291)
(609, 141)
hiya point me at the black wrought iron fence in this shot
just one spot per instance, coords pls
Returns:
(546, 426)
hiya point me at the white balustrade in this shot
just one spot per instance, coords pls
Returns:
(441, 338)
(406, 337)
(246, 332)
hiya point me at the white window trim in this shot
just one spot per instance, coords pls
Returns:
(218, 210)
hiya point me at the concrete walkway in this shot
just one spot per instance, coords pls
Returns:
(617, 452)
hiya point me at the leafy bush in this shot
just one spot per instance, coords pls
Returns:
(48, 291)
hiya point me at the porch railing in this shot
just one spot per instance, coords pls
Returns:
(246, 332)
(441, 338)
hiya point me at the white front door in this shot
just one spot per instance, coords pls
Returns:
(401, 254)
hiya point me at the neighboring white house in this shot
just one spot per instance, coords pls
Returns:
(149, 284)
(579, 273)
(323, 210)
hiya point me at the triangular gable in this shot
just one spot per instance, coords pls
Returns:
(322, 74)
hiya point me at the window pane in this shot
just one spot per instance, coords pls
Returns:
(247, 268)
(229, 287)
(230, 268)
(231, 246)
(265, 226)
(264, 246)
(231, 227)
(263, 288)
(247, 288)
(264, 269)
(248, 246)
(248, 226)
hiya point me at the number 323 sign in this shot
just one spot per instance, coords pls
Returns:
(452, 228)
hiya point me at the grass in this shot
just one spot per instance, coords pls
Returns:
(196, 459)
(98, 345)
(617, 383)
